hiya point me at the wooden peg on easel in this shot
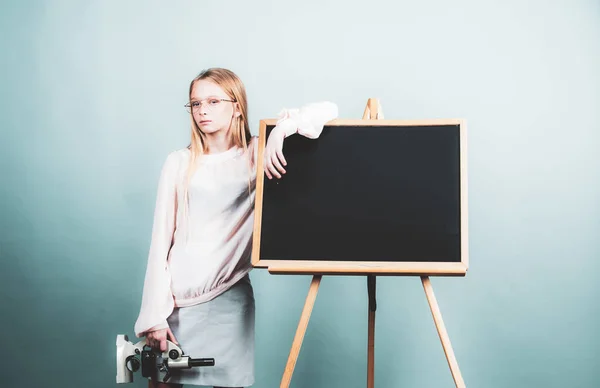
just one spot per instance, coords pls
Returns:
(373, 110)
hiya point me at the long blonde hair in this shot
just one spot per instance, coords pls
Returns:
(239, 130)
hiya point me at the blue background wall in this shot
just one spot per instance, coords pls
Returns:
(92, 101)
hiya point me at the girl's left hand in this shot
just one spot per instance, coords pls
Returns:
(274, 159)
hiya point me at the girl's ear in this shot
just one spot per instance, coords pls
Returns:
(237, 112)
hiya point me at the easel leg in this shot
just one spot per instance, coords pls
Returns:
(372, 111)
(441, 329)
(371, 282)
(300, 331)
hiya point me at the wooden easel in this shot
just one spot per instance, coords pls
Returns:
(372, 111)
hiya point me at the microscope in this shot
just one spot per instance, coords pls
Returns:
(155, 365)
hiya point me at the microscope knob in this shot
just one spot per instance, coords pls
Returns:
(173, 354)
(132, 363)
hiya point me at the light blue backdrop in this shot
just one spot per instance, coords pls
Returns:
(92, 101)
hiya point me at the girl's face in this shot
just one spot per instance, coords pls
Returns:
(212, 108)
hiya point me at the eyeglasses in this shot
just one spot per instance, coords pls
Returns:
(211, 103)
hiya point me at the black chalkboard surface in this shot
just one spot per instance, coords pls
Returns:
(367, 196)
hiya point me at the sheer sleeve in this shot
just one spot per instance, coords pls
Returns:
(307, 121)
(157, 299)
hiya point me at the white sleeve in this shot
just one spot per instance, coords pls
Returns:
(157, 299)
(307, 121)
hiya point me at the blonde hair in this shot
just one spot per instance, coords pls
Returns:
(239, 131)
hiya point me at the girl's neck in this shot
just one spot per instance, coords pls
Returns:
(217, 143)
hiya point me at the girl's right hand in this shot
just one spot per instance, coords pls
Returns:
(157, 339)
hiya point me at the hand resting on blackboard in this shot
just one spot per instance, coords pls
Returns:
(307, 121)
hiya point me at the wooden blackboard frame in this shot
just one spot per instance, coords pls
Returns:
(365, 267)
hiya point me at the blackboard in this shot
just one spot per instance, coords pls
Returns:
(367, 196)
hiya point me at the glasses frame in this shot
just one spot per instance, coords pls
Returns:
(190, 110)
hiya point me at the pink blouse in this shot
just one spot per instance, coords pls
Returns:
(197, 255)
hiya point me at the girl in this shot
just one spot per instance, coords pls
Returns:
(197, 291)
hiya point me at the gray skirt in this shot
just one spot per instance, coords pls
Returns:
(223, 329)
